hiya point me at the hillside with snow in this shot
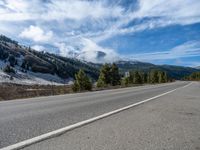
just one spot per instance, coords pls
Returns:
(30, 77)
(23, 65)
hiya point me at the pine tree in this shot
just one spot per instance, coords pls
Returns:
(165, 77)
(75, 86)
(109, 75)
(145, 77)
(154, 76)
(82, 82)
(106, 71)
(12, 60)
(101, 81)
(162, 77)
(104, 77)
(126, 81)
(137, 78)
(115, 76)
(9, 69)
(131, 77)
(194, 76)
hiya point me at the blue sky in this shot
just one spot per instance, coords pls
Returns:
(158, 31)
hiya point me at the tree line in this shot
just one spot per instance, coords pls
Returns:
(139, 77)
(110, 76)
(193, 77)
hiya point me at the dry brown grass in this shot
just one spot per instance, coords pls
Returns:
(15, 91)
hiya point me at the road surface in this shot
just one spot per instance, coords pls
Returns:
(171, 122)
(24, 119)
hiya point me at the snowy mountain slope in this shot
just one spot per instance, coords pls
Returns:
(30, 77)
(36, 67)
(33, 67)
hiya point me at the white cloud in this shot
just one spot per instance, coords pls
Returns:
(78, 10)
(38, 47)
(66, 50)
(177, 11)
(161, 13)
(36, 34)
(95, 53)
(87, 23)
(57, 10)
(88, 50)
(188, 49)
(108, 18)
(17, 5)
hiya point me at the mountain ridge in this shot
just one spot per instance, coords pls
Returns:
(29, 63)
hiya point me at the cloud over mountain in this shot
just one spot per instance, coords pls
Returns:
(86, 26)
(36, 34)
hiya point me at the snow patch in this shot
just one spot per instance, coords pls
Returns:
(30, 77)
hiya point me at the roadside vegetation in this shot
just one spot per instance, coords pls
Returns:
(16, 91)
(110, 77)
(82, 82)
(193, 77)
(152, 77)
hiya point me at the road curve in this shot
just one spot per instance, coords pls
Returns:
(27, 118)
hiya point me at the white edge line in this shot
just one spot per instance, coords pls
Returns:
(60, 131)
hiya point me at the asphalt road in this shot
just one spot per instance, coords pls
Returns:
(171, 122)
(27, 118)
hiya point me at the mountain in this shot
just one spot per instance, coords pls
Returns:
(175, 72)
(33, 67)
(97, 56)
(197, 67)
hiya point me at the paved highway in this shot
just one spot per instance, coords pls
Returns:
(27, 118)
(170, 122)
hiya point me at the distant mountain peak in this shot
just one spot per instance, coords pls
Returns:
(94, 56)
(198, 67)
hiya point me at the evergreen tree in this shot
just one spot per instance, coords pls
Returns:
(75, 86)
(137, 78)
(12, 60)
(9, 69)
(109, 75)
(106, 71)
(162, 77)
(101, 81)
(126, 81)
(193, 77)
(165, 77)
(131, 77)
(104, 77)
(115, 76)
(145, 77)
(154, 76)
(82, 82)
